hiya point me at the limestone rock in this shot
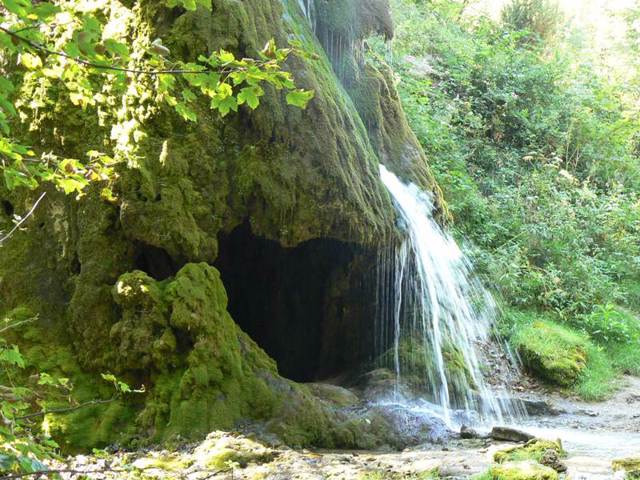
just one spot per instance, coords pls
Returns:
(551, 458)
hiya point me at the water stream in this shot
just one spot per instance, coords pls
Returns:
(435, 319)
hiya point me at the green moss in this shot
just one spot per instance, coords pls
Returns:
(418, 361)
(95, 425)
(555, 353)
(631, 467)
(384, 475)
(293, 175)
(532, 450)
(216, 383)
(222, 450)
(525, 470)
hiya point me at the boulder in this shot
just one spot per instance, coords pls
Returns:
(509, 434)
(551, 458)
(469, 433)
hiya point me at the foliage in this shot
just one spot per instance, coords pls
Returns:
(539, 17)
(535, 150)
(25, 399)
(52, 52)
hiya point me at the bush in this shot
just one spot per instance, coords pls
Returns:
(540, 17)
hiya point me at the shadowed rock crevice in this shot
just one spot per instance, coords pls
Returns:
(156, 262)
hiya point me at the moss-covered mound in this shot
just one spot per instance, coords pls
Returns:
(555, 353)
(523, 470)
(630, 467)
(534, 450)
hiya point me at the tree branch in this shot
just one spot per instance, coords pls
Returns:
(67, 409)
(98, 66)
(24, 219)
(42, 48)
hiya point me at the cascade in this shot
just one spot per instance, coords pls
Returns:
(309, 10)
(435, 317)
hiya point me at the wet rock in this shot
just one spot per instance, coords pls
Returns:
(551, 458)
(546, 452)
(588, 413)
(334, 394)
(633, 398)
(540, 408)
(410, 428)
(469, 433)
(379, 383)
(222, 448)
(509, 434)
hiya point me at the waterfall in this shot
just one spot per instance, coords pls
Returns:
(436, 316)
(309, 10)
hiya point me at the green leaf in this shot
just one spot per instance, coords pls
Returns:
(185, 112)
(224, 105)
(12, 356)
(250, 96)
(116, 48)
(45, 10)
(72, 185)
(30, 61)
(186, 4)
(18, 7)
(299, 98)
(225, 57)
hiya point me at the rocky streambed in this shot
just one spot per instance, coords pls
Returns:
(593, 435)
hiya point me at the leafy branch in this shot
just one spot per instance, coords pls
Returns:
(57, 46)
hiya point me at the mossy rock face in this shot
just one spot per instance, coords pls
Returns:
(524, 470)
(203, 368)
(554, 353)
(293, 175)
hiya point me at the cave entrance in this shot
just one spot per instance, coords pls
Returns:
(311, 308)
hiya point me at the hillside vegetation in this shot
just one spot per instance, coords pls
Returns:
(535, 145)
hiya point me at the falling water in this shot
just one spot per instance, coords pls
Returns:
(309, 10)
(437, 316)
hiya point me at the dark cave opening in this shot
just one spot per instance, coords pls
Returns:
(7, 206)
(156, 262)
(311, 308)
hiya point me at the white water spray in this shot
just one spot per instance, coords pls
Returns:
(441, 315)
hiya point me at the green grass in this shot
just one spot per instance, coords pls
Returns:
(553, 352)
(568, 358)
(599, 380)
(625, 358)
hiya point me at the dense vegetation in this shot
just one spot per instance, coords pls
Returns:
(535, 146)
